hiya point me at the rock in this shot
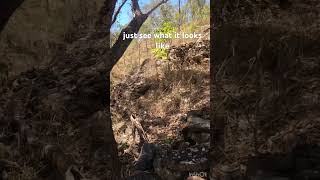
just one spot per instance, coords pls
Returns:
(197, 129)
(196, 134)
(158, 121)
(145, 160)
(181, 162)
(190, 54)
(194, 120)
(140, 90)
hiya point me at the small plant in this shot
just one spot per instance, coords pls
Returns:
(168, 141)
(160, 53)
(165, 28)
(124, 146)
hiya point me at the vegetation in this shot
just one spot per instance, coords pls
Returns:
(166, 28)
(191, 16)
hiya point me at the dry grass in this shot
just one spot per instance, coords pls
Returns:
(138, 51)
(173, 90)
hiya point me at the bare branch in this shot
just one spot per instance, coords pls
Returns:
(155, 7)
(120, 46)
(118, 11)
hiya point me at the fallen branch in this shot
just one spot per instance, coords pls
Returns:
(137, 126)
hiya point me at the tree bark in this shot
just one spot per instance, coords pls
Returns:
(120, 46)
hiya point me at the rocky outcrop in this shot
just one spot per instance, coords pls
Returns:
(197, 129)
(188, 54)
(182, 163)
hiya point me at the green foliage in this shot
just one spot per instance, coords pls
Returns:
(160, 53)
(124, 146)
(191, 27)
(166, 28)
(195, 7)
(206, 12)
(168, 19)
(168, 141)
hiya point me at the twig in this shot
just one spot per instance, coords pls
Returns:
(137, 124)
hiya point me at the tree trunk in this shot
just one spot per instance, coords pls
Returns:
(217, 120)
(103, 141)
(104, 145)
(76, 86)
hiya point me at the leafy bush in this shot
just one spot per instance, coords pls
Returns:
(165, 28)
(160, 53)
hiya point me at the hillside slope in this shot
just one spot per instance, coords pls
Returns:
(170, 100)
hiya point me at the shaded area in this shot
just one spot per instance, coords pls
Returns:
(7, 8)
(265, 91)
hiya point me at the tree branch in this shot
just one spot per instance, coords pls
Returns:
(136, 8)
(155, 7)
(118, 11)
(120, 46)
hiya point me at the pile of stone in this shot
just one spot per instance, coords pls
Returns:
(189, 54)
